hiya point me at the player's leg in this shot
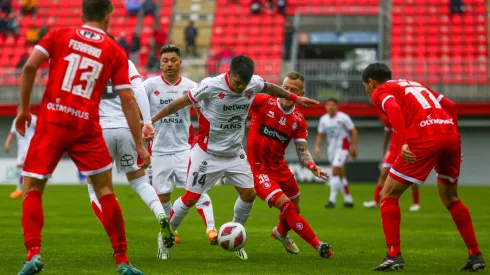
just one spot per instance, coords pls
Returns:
(348, 200)
(415, 198)
(17, 193)
(334, 183)
(379, 185)
(204, 207)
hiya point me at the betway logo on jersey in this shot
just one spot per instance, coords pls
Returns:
(65, 109)
(236, 107)
(235, 122)
(430, 121)
(274, 134)
(166, 101)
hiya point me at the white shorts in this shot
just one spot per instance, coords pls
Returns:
(20, 160)
(206, 169)
(168, 170)
(122, 149)
(339, 158)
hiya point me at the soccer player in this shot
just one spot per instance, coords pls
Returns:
(22, 147)
(275, 122)
(337, 126)
(122, 148)
(390, 155)
(425, 124)
(225, 101)
(171, 147)
(82, 60)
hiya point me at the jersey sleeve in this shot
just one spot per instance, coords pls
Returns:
(258, 101)
(47, 44)
(201, 91)
(12, 129)
(301, 134)
(133, 72)
(379, 98)
(349, 125)
(260, 84)
(120, 76)
(321, 128)
(141, 98)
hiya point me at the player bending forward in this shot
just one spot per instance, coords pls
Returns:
(275, 122)
(390, 156)
(171, 149)
(22, 147)
(82, 60)
(224, 102)
(122, 149)
(337, 126)
(425, 124)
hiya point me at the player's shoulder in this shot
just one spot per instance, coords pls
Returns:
(324, 118)
(343, 115)
(298, 114)
(152, 80)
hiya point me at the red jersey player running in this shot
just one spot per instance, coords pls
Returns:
(82, 60)
(275, 122)
(390, 155)
(425, 124)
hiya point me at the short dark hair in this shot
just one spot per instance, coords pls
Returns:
(96, 10)
(376, 71)
(333, 100)
(170, 48)
(296, 75)
(243, 66)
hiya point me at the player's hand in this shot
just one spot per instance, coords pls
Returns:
(306, 102)
(23, 118)
(7, 148)
(144, 155)
(319, 173)
(148, 132)
(317, 152)
(353, 152)
(407, 155)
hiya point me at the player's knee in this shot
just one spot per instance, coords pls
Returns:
(336, 171)
(164, 198)
(248, 194)
(278, 200)
(190, 198)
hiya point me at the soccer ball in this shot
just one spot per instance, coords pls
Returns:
(232, 236)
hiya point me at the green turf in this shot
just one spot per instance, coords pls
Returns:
(75, 243)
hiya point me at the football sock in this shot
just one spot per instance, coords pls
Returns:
(242, 211)
(283, 226)
(377, 190)
(114, 226)
(462, 219)
(390, 220)
(204, 207)
(95, 203)
(32, 222)
(298, 224)
(167, 207)
(415, 196)
(148, 195)
(179, 211)
(334, 188)
(346, 191)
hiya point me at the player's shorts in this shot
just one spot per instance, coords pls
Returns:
(270, 186)
(442, 152)
(206, 169)
(339, 158)
(389, 159)
(88, 151)
(122, 149)
(167, 171)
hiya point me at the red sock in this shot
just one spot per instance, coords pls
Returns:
(298, 224)
(283, 226)
(32, 222)
(390, 220)
(114, 226)
(377, 190)
(346, 189)
(415, 196)
(201, 213)
(97, 212)
(462, 219)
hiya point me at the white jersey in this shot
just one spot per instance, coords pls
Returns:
(171, 132)
(337, 130)
(223, 113)
(110, 109)
(24, 141)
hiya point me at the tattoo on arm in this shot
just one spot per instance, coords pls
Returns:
(304, 155)
(276, 91)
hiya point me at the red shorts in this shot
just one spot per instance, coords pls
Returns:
(442, 152)
(270, 186)
(390, 158)
(88, 151)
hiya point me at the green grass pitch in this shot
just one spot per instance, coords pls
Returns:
(75, 243)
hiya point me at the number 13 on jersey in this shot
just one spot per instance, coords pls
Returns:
(75, 63)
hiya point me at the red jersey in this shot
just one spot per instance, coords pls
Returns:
(394, 146)
(82, 60)
(422, 113)
(271, 130)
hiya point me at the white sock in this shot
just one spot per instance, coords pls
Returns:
(347, 197)
(179, 210)
(148, 195)
(93, 196)
(334, 188)
(205, 208)
(19, 183)
(242, 211)
(168, 207)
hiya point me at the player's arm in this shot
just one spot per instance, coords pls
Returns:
(173, 107)
(9, 140)
(131, 112)
(306, 159)
(318, 143)
(144, 106)
(276, 91)
(353, 147)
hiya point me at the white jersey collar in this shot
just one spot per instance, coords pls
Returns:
(93, 28)
(284, 111)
